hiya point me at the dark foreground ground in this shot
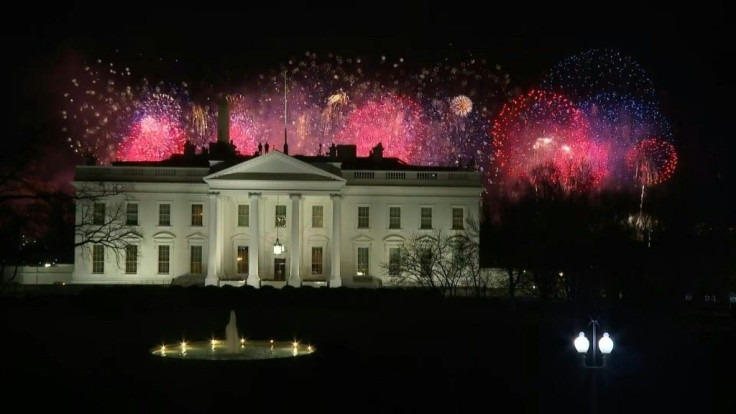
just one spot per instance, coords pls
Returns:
(378, 351)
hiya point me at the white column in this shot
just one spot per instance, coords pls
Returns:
(212, 246)
(220, 233)
(296, 252)
(335, 279)
(255, 240)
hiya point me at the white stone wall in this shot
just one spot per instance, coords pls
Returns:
(180, 235)
(40, 275)
(441, 192)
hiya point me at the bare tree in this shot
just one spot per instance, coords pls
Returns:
(469, 251)
(441, 260)
(102, 219)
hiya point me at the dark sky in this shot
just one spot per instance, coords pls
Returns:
(683, 48)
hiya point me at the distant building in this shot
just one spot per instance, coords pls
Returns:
(224, 217)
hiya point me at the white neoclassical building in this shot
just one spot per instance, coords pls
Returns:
(271, 218)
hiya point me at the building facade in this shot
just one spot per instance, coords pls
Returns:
(270, 218)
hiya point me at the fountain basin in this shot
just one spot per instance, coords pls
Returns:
(217, 350)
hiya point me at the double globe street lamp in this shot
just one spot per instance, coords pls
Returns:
(605, 345)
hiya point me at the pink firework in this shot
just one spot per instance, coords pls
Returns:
(652, 161)
(243, 131)
(152, 139)
(542, 129)
(394, 121)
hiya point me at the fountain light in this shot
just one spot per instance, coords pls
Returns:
(232, 347)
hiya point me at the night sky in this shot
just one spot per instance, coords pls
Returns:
(682, 48)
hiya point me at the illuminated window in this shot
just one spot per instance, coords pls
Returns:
(195, 260)
(98, 213)
(131, 259)
(426, 218)
(394, 217)
(164, 214)
(163, 259)
(457, 218)
(243, 215)
(394, 264)
(280, 216)
(197, 213)
(131, 214)
(316, 260)
(98, 258)
(317, 216)
(362, 268)
(242, 260)
(363, 214)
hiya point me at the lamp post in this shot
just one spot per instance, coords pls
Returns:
(605, 345)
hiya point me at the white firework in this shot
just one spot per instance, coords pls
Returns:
(461, 105)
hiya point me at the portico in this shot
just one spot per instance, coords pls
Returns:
(275, 188)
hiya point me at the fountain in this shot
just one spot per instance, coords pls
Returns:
(233, 348)
(232, 340)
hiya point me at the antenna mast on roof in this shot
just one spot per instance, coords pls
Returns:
(286, 145)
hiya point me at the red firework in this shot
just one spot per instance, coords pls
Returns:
(152, 139)
(242, 127)
(396, 122)
(652, 161)
(544, 128)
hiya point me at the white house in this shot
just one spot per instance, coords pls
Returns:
(271, 218)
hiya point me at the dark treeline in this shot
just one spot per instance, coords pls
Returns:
(556, 241)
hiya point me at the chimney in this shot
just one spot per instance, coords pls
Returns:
(189, 149)
(333, 151)
(223, 122)
(377, 152)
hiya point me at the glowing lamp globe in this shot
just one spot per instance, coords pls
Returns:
(278, 248)
(581, 343)
(605, 344)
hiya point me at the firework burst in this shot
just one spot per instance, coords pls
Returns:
(596, 71)
(544, 128)
(157, 131)
(396, 122)
(652, 161)
(461, 105)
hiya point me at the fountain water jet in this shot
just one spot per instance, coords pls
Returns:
(232, 340)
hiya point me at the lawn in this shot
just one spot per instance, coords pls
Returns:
(377, 351)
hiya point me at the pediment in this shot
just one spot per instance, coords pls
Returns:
(164, 235)
(196, 236)
(274, 166)
(362, 238)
